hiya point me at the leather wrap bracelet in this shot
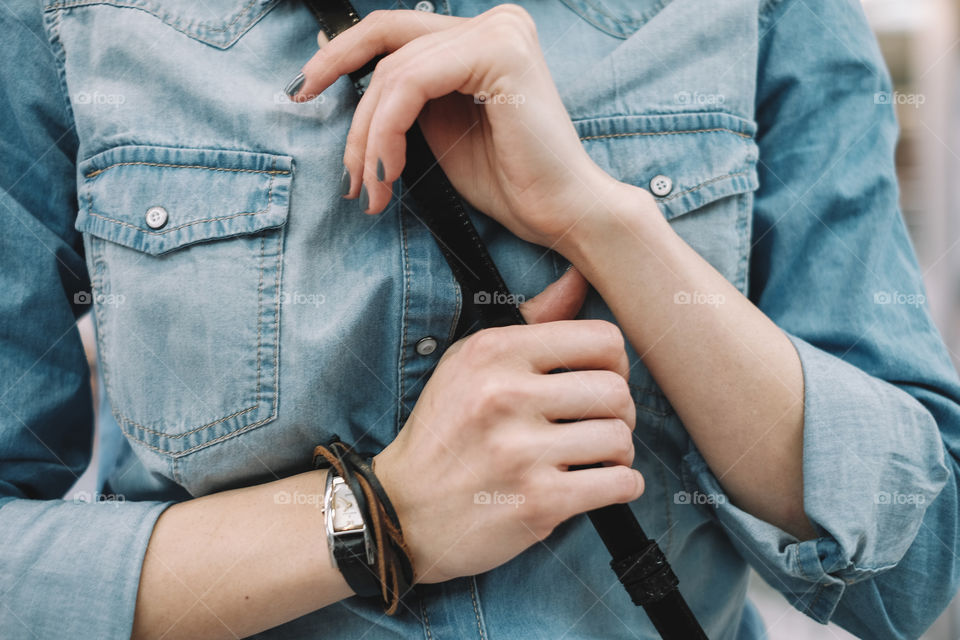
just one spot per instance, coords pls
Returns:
(392, 574)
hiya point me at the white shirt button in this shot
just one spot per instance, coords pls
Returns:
(425, 5)
(426, 346)
(661, 186)
(156, 217)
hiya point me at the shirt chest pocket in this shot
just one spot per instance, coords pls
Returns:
(184, 248)
(700, 167)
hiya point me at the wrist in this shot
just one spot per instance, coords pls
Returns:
(619, 211)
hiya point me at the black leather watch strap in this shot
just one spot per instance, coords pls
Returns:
(350, 549)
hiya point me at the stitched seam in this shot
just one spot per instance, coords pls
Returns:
(121, 5)
(185, 224)
(202, 444)
(704, 184)
(665, 133)
(426, 619)
(476, 612)
(97, 172)
(281, 236)
(403, 319)
(260, 317)
(167, 20)
(192, 429)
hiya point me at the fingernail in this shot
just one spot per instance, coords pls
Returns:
(364, 198)
(294, 85)
(345, 182)
(381, 174)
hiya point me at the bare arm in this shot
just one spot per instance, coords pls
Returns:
(730, 373)
(235, 563)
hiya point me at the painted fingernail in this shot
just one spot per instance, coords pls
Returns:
(294, 85)
(345, 182)
(364, 198)
(381, 174)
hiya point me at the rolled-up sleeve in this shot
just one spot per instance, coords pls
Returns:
(832, 265)
(67, 569)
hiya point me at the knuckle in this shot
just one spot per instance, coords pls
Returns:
(483, 345)
(374, 17)
(514, 15)
(514, 27)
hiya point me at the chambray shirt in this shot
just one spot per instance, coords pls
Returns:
(267, 313)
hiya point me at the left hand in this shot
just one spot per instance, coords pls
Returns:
(515, 156)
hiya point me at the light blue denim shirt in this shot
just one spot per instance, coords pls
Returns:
(267, 313)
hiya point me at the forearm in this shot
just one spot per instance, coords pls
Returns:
(235, 563)
(730, 373)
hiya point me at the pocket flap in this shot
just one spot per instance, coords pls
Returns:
(197, 195)
(705, 156)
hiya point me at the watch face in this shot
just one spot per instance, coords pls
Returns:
(346, 514)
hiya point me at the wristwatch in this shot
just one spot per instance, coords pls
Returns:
(351, 545)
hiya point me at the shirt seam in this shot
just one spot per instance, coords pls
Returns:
(96, 172)
(666, 133)
(193, 222)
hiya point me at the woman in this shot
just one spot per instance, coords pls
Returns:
(721, 175)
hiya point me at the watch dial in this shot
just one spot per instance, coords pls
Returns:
(346, 515)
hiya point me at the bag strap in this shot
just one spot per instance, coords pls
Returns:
(638, 562)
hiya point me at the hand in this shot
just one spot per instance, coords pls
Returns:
(487, 106)
(480, 470)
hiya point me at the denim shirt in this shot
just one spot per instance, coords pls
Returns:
(266, 313)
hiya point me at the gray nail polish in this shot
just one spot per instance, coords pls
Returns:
(345, 182)
(381, 174)
(294, 85)
(364, 198)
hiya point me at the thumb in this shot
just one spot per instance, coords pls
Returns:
(561, 300)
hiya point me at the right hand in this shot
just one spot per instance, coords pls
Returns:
(487, 426)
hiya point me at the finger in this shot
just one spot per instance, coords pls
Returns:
(379, 33)
(561, 300)
(588, 489)
(564, 344)
(581, 395)
(355, 150)
(589, 442)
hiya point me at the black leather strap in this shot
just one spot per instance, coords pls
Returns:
(350, 551)
(361, 464)
(637, 560)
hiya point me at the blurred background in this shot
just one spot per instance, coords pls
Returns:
(920, 40)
